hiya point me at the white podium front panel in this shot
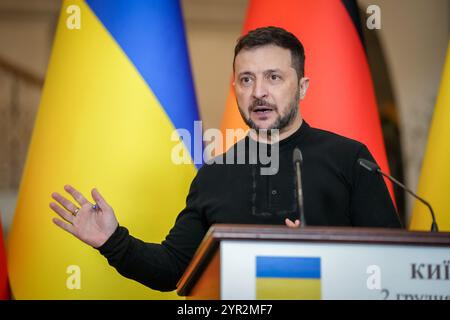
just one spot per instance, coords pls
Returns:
(336, 271)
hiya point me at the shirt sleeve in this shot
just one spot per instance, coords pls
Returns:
(158, 266)
(371, 204)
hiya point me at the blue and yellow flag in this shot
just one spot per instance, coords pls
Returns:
(434, 180)
(117, 86)
(288, 278)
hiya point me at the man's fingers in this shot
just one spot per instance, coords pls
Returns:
(63, 225)
(64, 202)
(291, 224)
(76, 195)
(99, 199)
(61, 212)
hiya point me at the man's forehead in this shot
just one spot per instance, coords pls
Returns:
(268, 57)
(269, 49)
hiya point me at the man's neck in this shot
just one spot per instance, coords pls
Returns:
(265, 136)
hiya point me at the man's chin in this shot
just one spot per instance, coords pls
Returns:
(264, 125)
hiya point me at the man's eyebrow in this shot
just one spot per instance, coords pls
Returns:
(245, 73)
(249, 73)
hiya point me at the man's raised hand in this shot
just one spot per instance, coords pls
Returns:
(92, 225)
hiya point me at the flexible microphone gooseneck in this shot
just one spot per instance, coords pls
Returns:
(373, 167)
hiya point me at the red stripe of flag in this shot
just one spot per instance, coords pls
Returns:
(4, 286)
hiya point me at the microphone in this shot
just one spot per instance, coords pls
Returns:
(373, 167)
(297, 159)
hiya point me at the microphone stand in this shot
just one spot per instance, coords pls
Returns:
(434, 226)
(373, 167)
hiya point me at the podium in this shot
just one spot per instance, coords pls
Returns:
(277, 262)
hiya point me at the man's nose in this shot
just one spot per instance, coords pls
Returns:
(260, 89)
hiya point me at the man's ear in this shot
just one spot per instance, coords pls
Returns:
(304, 84)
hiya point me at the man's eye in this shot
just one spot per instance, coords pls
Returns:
(275, 77)
(246, 80)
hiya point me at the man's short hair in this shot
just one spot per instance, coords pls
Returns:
(278, 37)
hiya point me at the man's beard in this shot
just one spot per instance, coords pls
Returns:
(281, 122)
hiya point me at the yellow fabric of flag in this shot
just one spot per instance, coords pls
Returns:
(101, 123)
(434, 183)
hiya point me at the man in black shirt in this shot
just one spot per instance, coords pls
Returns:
(269, 83)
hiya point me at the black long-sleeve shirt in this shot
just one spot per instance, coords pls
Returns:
(337, 192)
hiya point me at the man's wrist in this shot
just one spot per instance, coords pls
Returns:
(116, 238)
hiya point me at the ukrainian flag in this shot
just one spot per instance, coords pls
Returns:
(288, 278)
(118, 85)
(434, 181)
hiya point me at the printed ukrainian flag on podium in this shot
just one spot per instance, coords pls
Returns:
(116, 88)
(288, 278)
